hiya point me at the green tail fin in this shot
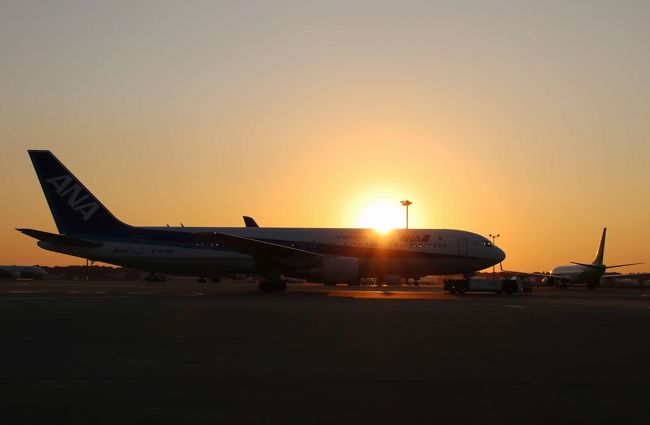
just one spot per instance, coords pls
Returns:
(601, 249)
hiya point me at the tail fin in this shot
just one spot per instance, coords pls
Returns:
(601, 249)
(74, 208)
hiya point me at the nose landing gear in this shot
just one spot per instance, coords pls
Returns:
(273, 286)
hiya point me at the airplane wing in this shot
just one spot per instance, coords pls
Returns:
(516, 273)
(554, 276)
(626, 276)
(264, 252)
(59, 239)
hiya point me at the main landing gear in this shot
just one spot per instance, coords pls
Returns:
(273, 286)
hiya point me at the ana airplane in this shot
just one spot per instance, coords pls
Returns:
(589, 274)
(22, 272)
(88, 230)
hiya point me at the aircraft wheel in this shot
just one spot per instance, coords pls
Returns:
(461, 287)
(273, 286)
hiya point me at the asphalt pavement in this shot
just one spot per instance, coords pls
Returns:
(181, 352)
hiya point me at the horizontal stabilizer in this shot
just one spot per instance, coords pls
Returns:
(59, 239)
(623, 265)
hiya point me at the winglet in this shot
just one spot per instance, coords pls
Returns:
(250, 222)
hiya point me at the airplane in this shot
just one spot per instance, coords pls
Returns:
(628, 279)
(87, 229)
(22, 272)
(589, 274)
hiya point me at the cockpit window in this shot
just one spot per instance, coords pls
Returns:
(487, 243)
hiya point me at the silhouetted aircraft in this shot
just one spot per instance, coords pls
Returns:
(589, 274)
(22, 272)
(88, 230)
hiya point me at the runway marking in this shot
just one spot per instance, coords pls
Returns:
(513, 306)
(22, 298)
(26, 292)
(392, 295)
(64, 298)
(85, 292)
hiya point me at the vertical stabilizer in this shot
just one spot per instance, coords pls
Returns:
(74, 208)
(601, 249)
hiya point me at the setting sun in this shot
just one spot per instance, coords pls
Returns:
(382, 215)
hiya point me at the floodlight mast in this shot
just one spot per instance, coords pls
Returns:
(406, 204)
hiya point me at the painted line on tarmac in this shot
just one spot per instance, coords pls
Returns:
(85, 292)
(26, 292)
(63, 298)
(513, 306)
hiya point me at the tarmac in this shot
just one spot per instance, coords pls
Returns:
(103, 352)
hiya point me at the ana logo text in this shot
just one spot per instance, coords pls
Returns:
(74, 193)
(415, 238)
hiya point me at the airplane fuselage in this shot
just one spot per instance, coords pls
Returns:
(579, 274)
(89, 230)
(404, 252)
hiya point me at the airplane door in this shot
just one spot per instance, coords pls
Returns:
(462, 246)
(136, 245)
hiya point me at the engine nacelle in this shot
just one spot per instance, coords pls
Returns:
(339, 270)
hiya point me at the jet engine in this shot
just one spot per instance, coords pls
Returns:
(339, 270)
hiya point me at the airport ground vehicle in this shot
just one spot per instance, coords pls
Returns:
(508, 286)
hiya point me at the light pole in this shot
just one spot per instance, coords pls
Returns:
(406, 204)
(493, 238)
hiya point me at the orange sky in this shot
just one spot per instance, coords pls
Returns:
(527, 119)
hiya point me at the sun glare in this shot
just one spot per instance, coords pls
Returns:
(382, 216)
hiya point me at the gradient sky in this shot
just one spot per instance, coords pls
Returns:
(530, 119)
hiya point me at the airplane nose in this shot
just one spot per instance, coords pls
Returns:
(500, 254)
